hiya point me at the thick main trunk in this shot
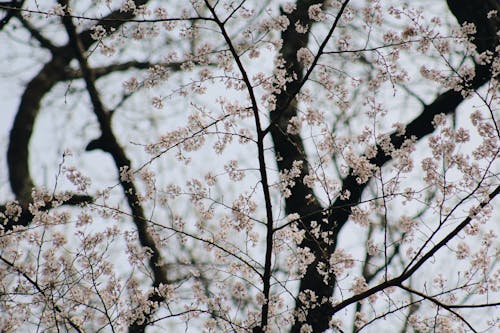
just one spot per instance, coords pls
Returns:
(290, 147)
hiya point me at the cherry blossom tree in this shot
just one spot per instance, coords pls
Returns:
(250, 166)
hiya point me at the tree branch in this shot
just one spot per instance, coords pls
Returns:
(51, 73)
(12, 8)
(156, 265)
(25, 218)
(439, 304)
(396, 282)
(486, 38)
(41, 290)
(290, 148)
(37, 35)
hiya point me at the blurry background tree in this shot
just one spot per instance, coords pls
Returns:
(249, 166)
